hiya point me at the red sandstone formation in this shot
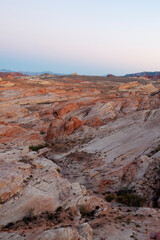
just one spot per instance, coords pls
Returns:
(110, 75)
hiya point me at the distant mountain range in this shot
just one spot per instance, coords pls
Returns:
(152, 75)
(29, 73)
(142, 74)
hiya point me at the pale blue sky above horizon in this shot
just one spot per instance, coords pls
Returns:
(84, 36)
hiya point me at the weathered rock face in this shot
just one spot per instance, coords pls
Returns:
(60, 127)
(72, 125)
(129, 86)
(13, 236)
(84, 233)
(61, 234)
(113, 159)
(45, 191)
(11, 181)
(145, 178)
(92, 114)
(68, 141)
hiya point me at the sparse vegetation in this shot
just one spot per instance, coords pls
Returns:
(86, 212)
(50, 215)
(9, 225)
(109, 197)
(42, 132)
(130, 198)
(38, 147)
(120, 217)
(83, 210)
(30, 216)
(58, 170)
(31, 212)
(128, 210)
(128, 221)
(59, 209)
(55, 216)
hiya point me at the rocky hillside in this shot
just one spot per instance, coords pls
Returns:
(80, 158)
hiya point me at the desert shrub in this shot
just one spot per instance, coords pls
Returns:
(59, 209)
(50, 215)
(120, 217)
(55, 216)
(38, 147)
(42, 132)
(128, 210)
(27, 219)
(124, 191)
(31, 212)
(86, 212)
(130, 198)
(83, 210)
(9, 225)
(128, 221)
(30, 216)
(109, 197)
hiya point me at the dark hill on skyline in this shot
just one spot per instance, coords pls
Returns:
(142, 74)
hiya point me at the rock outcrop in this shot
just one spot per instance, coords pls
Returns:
(84, 233)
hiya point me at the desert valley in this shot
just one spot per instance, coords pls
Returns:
(79, 157)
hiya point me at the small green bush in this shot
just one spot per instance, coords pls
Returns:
(50, 215)
(83, 210)
(59, 209)
(130, 198)
(109, 197)
(31, 212)
(128, 221)
(38, 147)
(30, 216)
(9, 225)
(42, 132)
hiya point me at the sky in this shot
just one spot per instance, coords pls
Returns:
(94, 37)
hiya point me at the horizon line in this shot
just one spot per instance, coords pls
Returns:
(73, 73)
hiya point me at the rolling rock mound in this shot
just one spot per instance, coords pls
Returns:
(80, 158)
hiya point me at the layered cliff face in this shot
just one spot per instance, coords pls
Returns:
(68, 144)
